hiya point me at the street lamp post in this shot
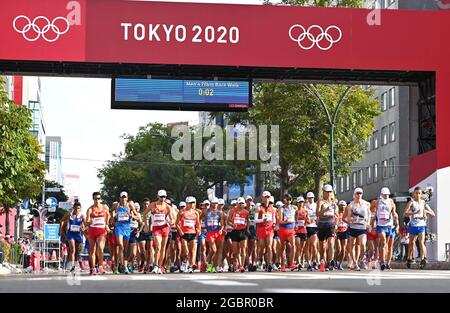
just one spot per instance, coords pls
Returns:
(331, 122)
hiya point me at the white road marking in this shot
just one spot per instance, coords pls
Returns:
(224, 283)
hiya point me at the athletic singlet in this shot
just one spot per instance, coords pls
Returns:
(418, 217)
(187, 221)
(341, 225)
(122, 217)
(289, 214)
(98, 219)
(384, 213)
(268, 213)
(326, 217)
(239, 219)
(75, 222)
(359, 215)
(159, 217)
(251, 217)
(213, 220)
(300, 225)
(311, 207)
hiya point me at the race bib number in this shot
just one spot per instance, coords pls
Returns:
(359, 220)
(301, 223)
(239, 220)
(75, 228)
(212, 222)
(384, 215)
(342, 226)
(122, 217)
(189, 223)
(329, 213)
(267, 216)
(159, 219)
(98, 221)
(252, 222)
(134, 224)
(203, 224)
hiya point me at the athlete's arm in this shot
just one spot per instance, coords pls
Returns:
(63, 224)
(429, 211)
(198, 226)
(346, 216)
(88, 216)
(258, 220)
(107, 217)
(369, 226)
(169, 214)
(408, 209)
(318, 208)
(222, 222)
(230, 217)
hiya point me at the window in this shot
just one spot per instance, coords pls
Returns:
(375, 140)
(361, 177)
(392, 97)
(384, 136)
(368, 175)
(384, 165)
(375, 172)
(341, 184)
(384, 101)
(354, 179)
(347, 183)
(392, 169)
(369, 144)
(392, 132)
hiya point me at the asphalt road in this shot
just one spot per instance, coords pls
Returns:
(346, 281)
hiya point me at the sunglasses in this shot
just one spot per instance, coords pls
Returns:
(97, 198)
(162, 196)
(359, 193)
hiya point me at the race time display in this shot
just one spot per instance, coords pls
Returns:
(177, 94)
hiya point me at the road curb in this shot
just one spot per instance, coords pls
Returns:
(438, 266)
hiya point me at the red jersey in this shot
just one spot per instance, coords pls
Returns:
(269, 214)
(300, 223)
(239, 219)
(188, 221)
(159, 216)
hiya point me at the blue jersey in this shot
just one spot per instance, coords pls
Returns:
(122, 218)
(213, 220)
(74, 225)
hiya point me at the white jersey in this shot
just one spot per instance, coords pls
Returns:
(384, 212)
(418, 217)
(311, 207)
(359, 215)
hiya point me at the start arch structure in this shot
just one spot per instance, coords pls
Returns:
(104, 38)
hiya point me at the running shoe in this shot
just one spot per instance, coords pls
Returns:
(276, 267)
(230, 268)
(340, 267)
(331, 267)
(183, 267)
(162, 270)
(101, 271)
(292, 267)
(357, 268)
(130, 269)
(283, 268)
(93, 272)
(126, 271)
(213, 269)
(315, 266)
(310, 268)
(140, 268)
(72, 270)
(382, 266)
(242, 269)
(269, 268)
(423, 263)
(219, 269)
(191, 270)
(388, 267)
(299, 267)
(116, 270)
(363, 265)
(408, 263)
(209, 268)
(155, 270)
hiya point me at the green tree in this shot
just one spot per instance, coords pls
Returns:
(21, 170)
(146, 165)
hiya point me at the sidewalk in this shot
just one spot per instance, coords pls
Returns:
(432, 265)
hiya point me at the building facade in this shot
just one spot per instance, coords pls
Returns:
(53, 159)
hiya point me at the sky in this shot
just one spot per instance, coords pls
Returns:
(79, 110)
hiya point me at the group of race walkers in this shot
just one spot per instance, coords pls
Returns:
(160, 236)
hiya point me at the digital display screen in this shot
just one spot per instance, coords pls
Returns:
(174, 94)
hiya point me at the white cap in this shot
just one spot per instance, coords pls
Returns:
(266, 194)
(233, 202)
(206, 202)
(124, 194)
(300, 199)
(258, 204)
(327, 188)
(162, 193)
(221, 201)
(272, 199)
(137, 206)
(248, 198)
(342, 202)
(241, 200)
(358, 190)
(190, 199)
(168, 201)
(309, 195)
(182, 204)
(279, 204)
(213, 200)
(385, 191)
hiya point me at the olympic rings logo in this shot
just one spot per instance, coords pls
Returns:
(31, 31)
(324, 39)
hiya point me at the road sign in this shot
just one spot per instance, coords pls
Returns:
(52, 202)
(51, 232)
(65, 205)
(52, 189)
